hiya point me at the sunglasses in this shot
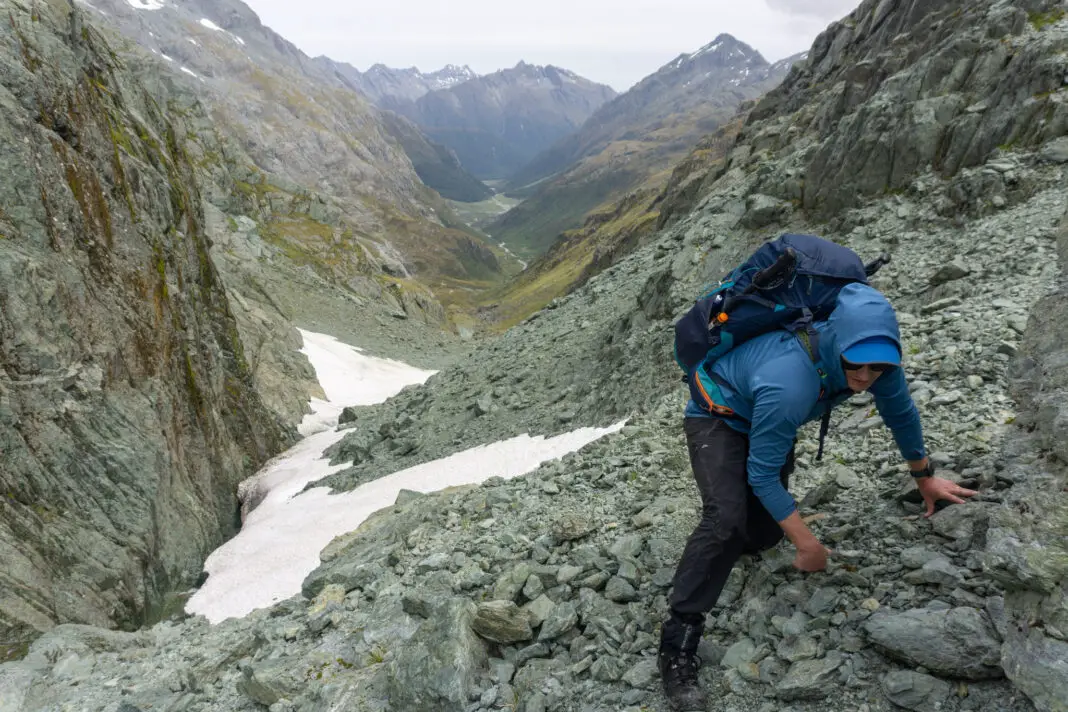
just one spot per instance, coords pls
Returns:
(875, 367)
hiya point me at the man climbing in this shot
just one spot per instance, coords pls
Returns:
(742, 456)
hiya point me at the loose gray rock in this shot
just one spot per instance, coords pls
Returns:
(502, 622)
(1056, 151)
(801, 648)
(1036, 663)
(916, 556)
(915, 691)
(959, 642)
(740, 652)
(845, 478)
(939, 305)
(569, 528)
(950, 272)
(563, 618)
(620, 590)
(643, 675)
(809, 679)
(261, 691)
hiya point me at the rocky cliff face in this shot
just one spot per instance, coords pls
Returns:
(295, 134)
(936, 94)
(437, 166)
(128, 412)
(545, 592)
(1028, 540)
(316, 215)
(498, 122)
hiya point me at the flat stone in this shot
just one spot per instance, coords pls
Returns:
(845, 477)
(950, 272)
(960, 521)
(539, 609)
(643, 675)
(740, 652)
(434, 562)
(629, 546)
(607, 668)
(823, 602)
(939, 305)
(567, 573)
(947, 398)
(942, 572)
(1055, 151)
(916, 556)
(1036, 664)
(801, 648)
(571, 527)
(809, 679)
(563, 618)
(915, 691)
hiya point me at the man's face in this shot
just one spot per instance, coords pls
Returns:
(861, 378)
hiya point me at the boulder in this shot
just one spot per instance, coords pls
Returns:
(437, 666)
(502, 622)
(959, 642)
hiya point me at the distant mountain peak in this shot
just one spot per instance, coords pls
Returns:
(449, 75)
(726, 48)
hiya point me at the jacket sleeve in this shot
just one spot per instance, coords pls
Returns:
(779, 408)
(898, 411)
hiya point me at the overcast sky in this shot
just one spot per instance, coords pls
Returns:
(617, 42)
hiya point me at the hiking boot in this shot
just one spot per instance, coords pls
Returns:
(678, 672)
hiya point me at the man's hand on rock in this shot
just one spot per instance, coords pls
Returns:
(811, 557)
(934, 489)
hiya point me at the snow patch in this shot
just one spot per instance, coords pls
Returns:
(211, 25)
(281, 539)
(706, 49)
(190, 72)
(167, 58)
(146, 4)
(349, 377)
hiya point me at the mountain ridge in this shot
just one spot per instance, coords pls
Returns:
(631, 142)
(495, 122)
(409, 84)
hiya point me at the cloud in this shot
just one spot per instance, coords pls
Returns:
(827, 10)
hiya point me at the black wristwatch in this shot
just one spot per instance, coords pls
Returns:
(925, 472)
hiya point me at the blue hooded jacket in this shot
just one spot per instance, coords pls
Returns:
(771, 384)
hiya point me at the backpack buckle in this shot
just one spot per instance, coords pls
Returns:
(721, 410)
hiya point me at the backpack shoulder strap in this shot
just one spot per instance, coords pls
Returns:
(810, 339)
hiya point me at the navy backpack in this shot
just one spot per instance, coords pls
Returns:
(787, 283)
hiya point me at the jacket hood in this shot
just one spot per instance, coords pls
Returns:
(860, 313)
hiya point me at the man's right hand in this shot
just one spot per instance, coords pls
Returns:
(811, 558)
(811, 555)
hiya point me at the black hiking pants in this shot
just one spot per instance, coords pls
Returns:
(733, 522)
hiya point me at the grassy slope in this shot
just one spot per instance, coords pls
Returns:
(608, 233)
(597, 181)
